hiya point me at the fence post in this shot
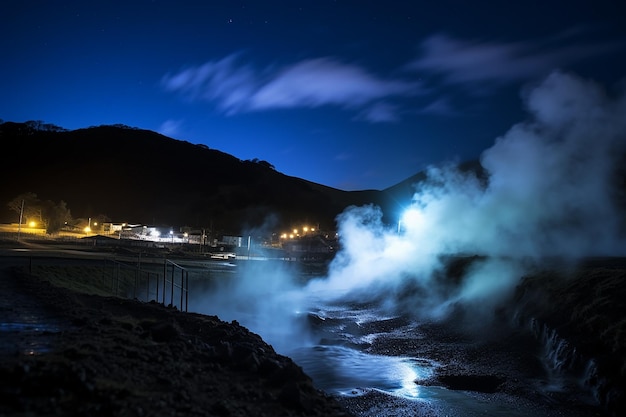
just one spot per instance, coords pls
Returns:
(182, 287)
(164, 278)
(117, 279)
(172, 294)
(187, 291)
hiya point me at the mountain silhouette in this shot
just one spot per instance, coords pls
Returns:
(134, 175)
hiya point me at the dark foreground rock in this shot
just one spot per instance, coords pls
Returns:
(580, 317)
(66, 353)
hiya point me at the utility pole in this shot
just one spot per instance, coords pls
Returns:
(19, 226)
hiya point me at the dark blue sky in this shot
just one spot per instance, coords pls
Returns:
(350, 94)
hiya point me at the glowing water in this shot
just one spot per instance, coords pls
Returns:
(31, 337)
(346, 371)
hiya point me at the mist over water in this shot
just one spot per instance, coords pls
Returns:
(549, 191)
(263, 296)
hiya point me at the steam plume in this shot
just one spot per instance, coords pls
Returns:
(548, 192)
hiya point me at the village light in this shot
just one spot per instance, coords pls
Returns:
(32, 223)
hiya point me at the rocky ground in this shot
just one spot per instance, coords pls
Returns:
(64, 352)
(67, 353)
(583, 310)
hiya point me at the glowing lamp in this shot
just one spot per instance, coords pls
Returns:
(412, 219)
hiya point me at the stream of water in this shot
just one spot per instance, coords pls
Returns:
(330, 342)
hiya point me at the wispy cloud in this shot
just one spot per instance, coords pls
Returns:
(170, 128)
(461, 61)
(222, 82)
(323, 81)
(440, 107)
(380, 113)
(343, 156)
(234, 87)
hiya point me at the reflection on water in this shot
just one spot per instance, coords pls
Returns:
(31, 337)
(345, 371)
(330, 341)
(29, 327)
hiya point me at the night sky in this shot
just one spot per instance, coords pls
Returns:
(350, 94)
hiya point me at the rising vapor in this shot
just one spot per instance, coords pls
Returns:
(548, 192)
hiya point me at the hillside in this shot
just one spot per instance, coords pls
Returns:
(134, 175)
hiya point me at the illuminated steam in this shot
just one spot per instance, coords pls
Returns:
(548, 191)
(265, 298)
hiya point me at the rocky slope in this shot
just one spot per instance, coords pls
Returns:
(65, 353)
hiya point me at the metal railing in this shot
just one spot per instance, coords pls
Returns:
(182, 288)
(136, 280)
(130, 280)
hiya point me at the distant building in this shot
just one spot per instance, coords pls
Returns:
(236, 241)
